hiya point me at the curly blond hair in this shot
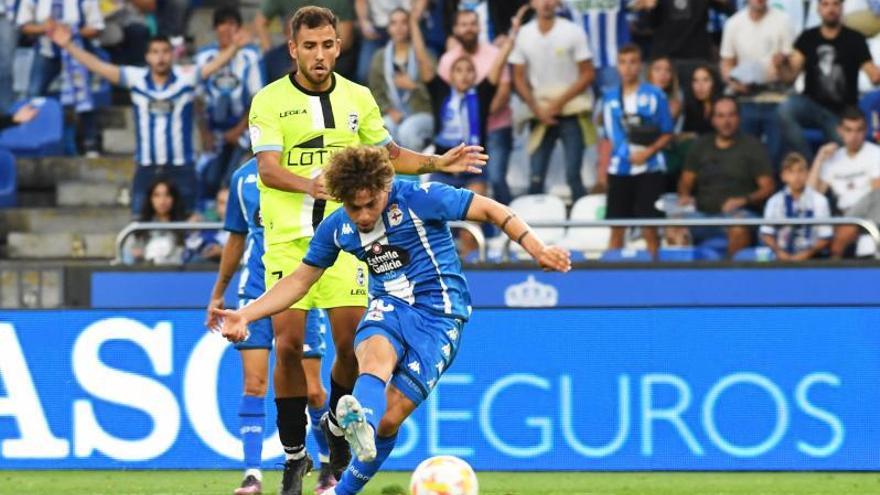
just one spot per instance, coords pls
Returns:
(357, 168)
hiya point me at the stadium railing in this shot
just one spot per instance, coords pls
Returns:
(133, 227)
(866, 225)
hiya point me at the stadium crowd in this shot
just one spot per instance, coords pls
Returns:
(698, 108)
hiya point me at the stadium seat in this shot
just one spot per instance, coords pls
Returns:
(760, 253)
(8, 180)
(536, 208)
(616, 255)
(580, 239)
(42, 136)
(814, 138)
(717, 244)
(865, 246)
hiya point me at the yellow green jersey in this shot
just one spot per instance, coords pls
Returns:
(307, 127)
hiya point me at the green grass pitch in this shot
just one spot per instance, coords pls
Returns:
(223, 482)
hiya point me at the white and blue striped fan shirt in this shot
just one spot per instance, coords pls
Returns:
(163, 115)
(228, 92)
(606, 26)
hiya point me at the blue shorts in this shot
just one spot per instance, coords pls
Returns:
(426, 343)
(261, 334)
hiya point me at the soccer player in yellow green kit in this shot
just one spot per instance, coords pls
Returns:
(296, 124)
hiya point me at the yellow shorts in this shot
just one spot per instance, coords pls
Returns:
(343, 284)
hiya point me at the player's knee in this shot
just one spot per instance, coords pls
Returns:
(346, 356)
(255, 385)
(317, 397)
(288, 353)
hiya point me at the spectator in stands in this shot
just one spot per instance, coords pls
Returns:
(21, 116)
(499, 127)
(796, 200)
(397, 84)
(283, 10)
(162, 97)
(552, 68)
(730, 173)
(681, 31)
(172, 18)
(695, 121)
(126, 32)
(160, 247)
(461, 110)
(849, 172)
(607, 30)
(8, 42)
(830, 56)
(226, 96)
(753, 38)
(206, 246)
(705, 89)
(637, 120)
(36, 18)
(372, 18)
(662, 75)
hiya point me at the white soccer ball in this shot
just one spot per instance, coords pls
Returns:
(444, 475)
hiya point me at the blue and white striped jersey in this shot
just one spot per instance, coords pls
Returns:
(74, 13)
(163, 115)
(243, 217)
(410, 252)
(606, 26)
(650, 108)
(228, 92)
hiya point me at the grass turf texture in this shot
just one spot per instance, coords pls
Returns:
(396, 483)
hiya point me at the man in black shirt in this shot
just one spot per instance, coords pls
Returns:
(831, 57)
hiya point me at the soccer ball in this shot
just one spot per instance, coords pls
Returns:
(443, 475)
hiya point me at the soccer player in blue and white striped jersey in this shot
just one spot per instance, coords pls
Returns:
(162, 98)
(420, 300)
(226, 97)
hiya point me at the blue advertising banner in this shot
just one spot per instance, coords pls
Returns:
(560, 389)
(579, 288)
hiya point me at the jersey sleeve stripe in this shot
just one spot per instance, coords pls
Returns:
(268, 147)
(384, 141)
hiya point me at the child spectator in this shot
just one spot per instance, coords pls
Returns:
(662, 74)
(637, 121)
(160, 247)
(397, 84)
(796, 200)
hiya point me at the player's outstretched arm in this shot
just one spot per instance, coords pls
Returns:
(462, 158)
(229, 261)
(484, 209)
(284, 294)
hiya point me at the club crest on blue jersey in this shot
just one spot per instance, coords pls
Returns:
(395, 216)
